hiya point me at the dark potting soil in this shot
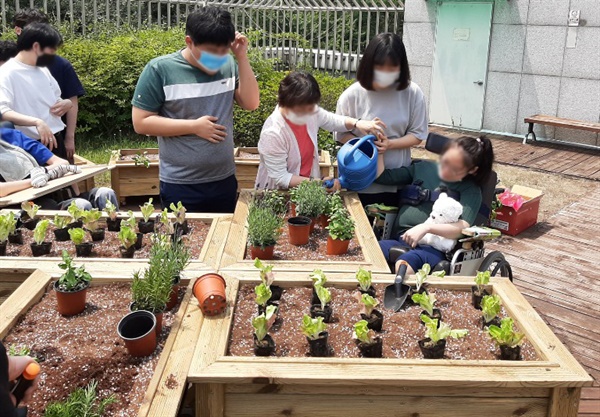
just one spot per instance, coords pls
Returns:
(109, 247)
(401, 331)
(78, 349)
(315, 250)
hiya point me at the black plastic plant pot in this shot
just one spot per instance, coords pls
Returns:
(508, 353)
(181, 228)
(494, 322)
(263, 309)
(113, 225)
(61, 235)
(374, 321)
(317, 311)
(371, 291)
(276, 293)
(476, 297)
(127, 252)
(41, 249)
(315, 297)
(146, 227)
(319, 347)
(371, 350)
(3, 248)
(16, 238)
(84, 250)
(431, 350)
(30, 223)
(139, 241)
(97, 235)
(437, 315)
(75, 225)
(265, 347)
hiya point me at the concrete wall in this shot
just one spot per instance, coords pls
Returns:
(530, 69)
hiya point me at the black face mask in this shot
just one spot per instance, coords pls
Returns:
(45, 60)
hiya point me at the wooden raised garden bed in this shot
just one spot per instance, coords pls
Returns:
(88, 183)
(547, 382)
(150, 386)
(364, 250)
(248, 159)
(130, 178)
(105, 255)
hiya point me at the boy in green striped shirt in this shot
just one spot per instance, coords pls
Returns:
(186, 99)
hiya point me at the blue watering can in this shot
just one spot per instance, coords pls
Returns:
(357, 163)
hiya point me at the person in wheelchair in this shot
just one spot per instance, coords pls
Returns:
(464, 165)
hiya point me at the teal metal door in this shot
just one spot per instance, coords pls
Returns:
(460, 64)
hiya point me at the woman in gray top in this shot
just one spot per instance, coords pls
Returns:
(384, 90)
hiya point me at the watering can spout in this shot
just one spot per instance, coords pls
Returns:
(357, 163)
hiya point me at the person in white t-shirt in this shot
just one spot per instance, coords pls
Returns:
(29, 95)
(384, 90)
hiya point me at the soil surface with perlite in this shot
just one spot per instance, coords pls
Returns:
(75, 350)
(401, 331)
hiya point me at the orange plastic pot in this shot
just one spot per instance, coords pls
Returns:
(260, 253)
(293, 210)
(209, 290)
(337, 247)
(323, 221)
(70, 303)
(138, 331)
(299, 230)
(313, 223)
(174, 293)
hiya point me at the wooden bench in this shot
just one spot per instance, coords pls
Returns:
(558, 122)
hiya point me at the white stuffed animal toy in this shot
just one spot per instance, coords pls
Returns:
(445, 210)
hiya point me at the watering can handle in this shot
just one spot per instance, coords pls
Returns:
(356, 145)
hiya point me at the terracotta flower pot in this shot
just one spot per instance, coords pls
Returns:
(84, 249)
(313, 222)
(113, 225)
(260, 253)
(41, 249)
(209, 289)
(137, 329)
(159, 317)
(299, 230)
(97, 235)
(174, 293)
(16, 238)
(3, 248)
(61, 235)
(336, 246)
(292, 210)
(323, 221)
(70, 303)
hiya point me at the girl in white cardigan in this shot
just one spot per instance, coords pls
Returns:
(288, 146)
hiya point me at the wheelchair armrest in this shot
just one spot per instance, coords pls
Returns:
(396, 252)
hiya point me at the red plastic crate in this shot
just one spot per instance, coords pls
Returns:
(512, 222)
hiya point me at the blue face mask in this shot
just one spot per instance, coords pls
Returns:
(212, 62)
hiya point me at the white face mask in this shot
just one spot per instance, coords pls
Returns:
(385, 79)
(299, 119)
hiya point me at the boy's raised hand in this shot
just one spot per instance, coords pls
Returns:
(206, 127)
(239, 46)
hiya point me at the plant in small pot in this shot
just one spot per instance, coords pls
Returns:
(478, 290)
(369, 345)
(267, 277)
(131, 222)
(40, 247)
(323, 308)
(273, 200)
(422, 275)
(90, 221)
(507, 338)
(436, 333)
(83, 249)
(15, 236)
(427, 302)
(490, 308)
(31, 210)
(166, 225)
(341, 230)
(264, 345)
(112, 222)
(373, 317)
(147, 224)
(334, 203)
(150, 291)
(264, 228)
(177, 259)
(318, 278)
(263, 297)
(61, 231)
(6, 228)
(181, 224)
(71, 287)
(310, 199)
(364, 279)
(316, 334)
(128, 238)
(76, 214)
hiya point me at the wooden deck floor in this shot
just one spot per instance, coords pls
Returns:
(559, 159)
(556, 266)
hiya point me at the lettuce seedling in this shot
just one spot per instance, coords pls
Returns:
(505, 335)
(111, 210)
(364, 279)
(60, 222)
(39, 233)
(127, 237)
(318, 277)
(130, 222)
(263, 294)
(266, 272)
(443, 332)
(324, 295)
(179, 211)
(74, 211)
(7, 225)
(90, 219)
(312, 328)
(426, 301)
(73, 278)
(147, 209)
(166, 222)
(490, 307)
(30, 208)
(263, 322)
(424, 273)
(482, 279)
(368, 303)
(363, 333)
(77, 235)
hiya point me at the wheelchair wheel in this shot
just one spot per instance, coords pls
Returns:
(497, 265)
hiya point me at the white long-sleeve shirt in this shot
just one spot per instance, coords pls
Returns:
(279, 152)
(32, 91)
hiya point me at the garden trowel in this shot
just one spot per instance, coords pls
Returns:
(396, 294)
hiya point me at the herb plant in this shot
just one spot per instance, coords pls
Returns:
(264, 226)
(90, 219)
(83, 402)
(111, 210)
(334, 203)
(39, 233)
(263, 322)
(127, 237)
(151, 289)
(147, 209)
(73, 279)
(364, 278)
(263, 294)
(266, 272)
(60, 222)
(312, 328)
(505, 335)
(77, 235)
(30, 208)
(324, 295)
(490, 307)
(368, 303)
(310, 198)
(443, 332)
(15, 350)
(341, 226)
(426, 301)
(179, 211)
(272, 200)
(482, 279)
(362, 332)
